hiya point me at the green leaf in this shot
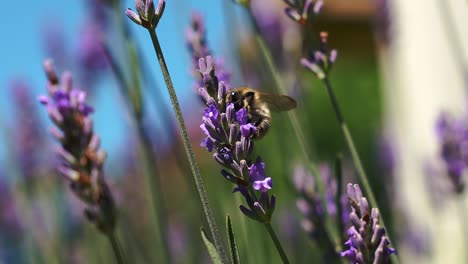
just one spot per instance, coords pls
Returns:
(215, 258)
(232, 242)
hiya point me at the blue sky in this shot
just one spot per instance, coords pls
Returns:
(22, 53)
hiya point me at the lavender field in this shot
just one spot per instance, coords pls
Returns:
(234, 131)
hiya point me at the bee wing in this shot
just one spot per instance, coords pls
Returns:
(278, 103)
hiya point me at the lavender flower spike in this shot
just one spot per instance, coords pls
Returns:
(320, 61)
(146, 15)
(367, 240)
(81, 158)
(228, 133)
(303, 14)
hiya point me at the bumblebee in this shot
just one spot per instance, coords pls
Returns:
(259, 106)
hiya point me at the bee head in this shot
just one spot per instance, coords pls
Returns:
(239, 98)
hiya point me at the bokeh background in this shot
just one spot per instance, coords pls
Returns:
(400, 64)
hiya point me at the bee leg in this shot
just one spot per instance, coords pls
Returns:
(262, 127)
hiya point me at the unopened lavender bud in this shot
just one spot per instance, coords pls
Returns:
(233, 132)
(65, 155)
(238, 150)
(259, 209)
(149, 10)
(72, 175)
(50, 72)
(312, 66)
(204, 94)
(244, 169)
(303, 206)
(357, 192)
(56, 133)
(333, 56)
(161, 7)
(230, 113)
(318, 6)
(133, 16)
(364, 206)
(67, 81)
(87, 125)
(221, 90)
(43, 99)
(252, 215)
(55, 115)
(350, 190)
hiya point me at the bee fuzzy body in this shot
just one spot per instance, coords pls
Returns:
(259, 106)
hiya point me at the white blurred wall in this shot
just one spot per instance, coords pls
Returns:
(422, 79)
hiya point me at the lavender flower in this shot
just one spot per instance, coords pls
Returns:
(452, 134)
(81, 159)
(320, 61)
(367, 240)
(228, 133)
(146, 15)
(302, 13)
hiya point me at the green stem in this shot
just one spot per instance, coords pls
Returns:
(350, 142)
(354, 154)
(339, 184)
(116, 247)
(277, 243)
(188, 149)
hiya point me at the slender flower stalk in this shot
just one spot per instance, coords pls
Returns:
(81, 158)
(148, 17)
(320, 62)
(368, 242)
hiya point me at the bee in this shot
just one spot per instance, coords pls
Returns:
(259, 106)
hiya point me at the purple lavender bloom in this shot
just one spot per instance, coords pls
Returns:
(367, 240)
(302, 14)
(228, 134)
(257, 174)
(453, 140)
(147, 15)
(81, 157)
(320, 61)
(246, 128)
